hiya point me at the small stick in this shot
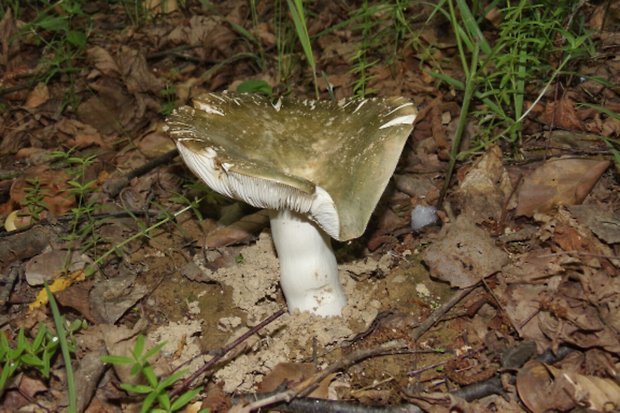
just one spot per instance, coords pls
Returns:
(113, 186)
(305, 387)
(186, 383)
(440, 312)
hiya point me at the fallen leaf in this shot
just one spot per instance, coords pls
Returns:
(103, 61)
(161, 6)
(76, 297)
(155, 144)
(111, 298)
(59, 284)
(238, 232)
(543, 388)
(49, 265)
(38, 96)
(560, 181)
(561, 114)
(604, 224)
(485, 188)
(464, 254)
(538, 391)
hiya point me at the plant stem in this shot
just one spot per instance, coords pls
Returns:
(470, 86)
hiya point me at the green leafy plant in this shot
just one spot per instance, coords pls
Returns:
(255, 86)
(497, 74)
(168, 95)
(135, 11)
(83, 223)
(38, 353)
(155, 391)
(361, 63)
(60, 29)
(528, 42)
(33, 200)
(24, 353)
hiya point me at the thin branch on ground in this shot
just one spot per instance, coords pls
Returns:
(440, 312)
(114, 186)
(225, 350)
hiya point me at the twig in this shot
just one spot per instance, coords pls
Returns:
(439, 313)
(113, 186)
(8, 283)
(314, 405)
(187, 382)
(305, 387)
(65, 218)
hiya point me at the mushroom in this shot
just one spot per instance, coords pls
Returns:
(321, 166)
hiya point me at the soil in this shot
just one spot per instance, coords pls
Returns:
(508, 302)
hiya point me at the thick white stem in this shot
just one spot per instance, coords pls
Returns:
(309, 273)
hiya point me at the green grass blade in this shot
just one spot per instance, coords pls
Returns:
(296, 9)
(64, 348)
(472, 26)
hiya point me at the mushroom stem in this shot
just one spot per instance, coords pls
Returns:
(309, 272)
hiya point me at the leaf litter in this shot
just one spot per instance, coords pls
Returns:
(530, 248)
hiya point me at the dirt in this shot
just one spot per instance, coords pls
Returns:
(244, 293)
(528, 232)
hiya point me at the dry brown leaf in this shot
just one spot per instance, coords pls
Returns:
(54, 189)
(292, 374)
(136, 73)
(103, 61)
(464, 254)
(30, 386)
(37, 96)
(7, 28)
(543, 388)
(111, 298)
(111, 111)
(76, 297)
(161, 6)
(561, 181)
(80, 134)
(238, 232)
(538, 391)
(522, 305)
(561, 114)
(155, 144)
(49, 265)
(485, 188)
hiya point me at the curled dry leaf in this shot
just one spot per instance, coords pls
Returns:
(561, 181)
(544, 388)
(103, 61)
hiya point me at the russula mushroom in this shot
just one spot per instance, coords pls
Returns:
(321, 167)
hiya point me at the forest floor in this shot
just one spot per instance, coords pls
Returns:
(510, 303)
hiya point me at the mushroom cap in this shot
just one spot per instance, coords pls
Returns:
(328, 160)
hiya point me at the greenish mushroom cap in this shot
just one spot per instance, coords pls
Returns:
(329, 160)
